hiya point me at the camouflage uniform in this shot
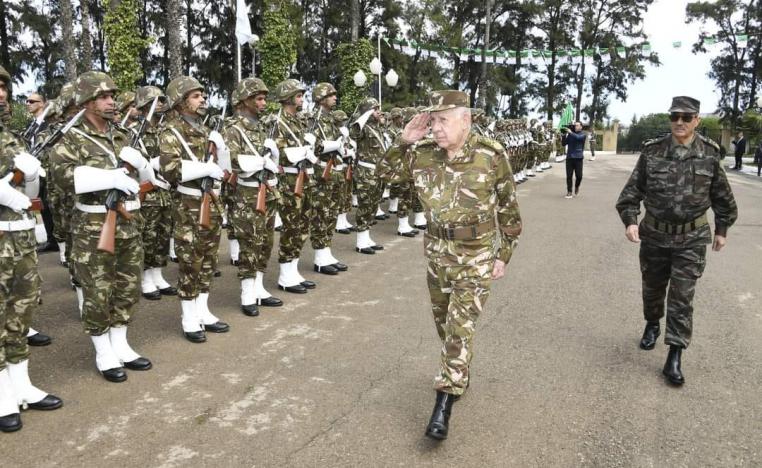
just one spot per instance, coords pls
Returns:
(344, 199)
(463, 196)
(370, 152)
(677, 185)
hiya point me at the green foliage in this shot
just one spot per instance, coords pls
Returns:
(125, 44)
(278, 45)
(353, 57)
(20, 118)
(646, 128)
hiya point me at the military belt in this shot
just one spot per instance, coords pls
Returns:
(189, 191)
(295, 170)
(669, 228)
(129, 205)
(460, 232)
(367, 165)
(255, 183)
(19, 225)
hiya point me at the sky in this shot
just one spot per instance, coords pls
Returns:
(681, 72)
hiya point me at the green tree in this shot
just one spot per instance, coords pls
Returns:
(353, 57)
(278, 45)
(125, 45)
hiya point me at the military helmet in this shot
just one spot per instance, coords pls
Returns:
(322, 91)
(367, 104)
(287, 89)
(395, 112)
(246, 88)
(92, 84)
(125, 100)
(65, 98)
(146, 94)
(340, 116)
(5, 77)
(179, 88)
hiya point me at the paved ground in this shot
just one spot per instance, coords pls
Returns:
(342, 376)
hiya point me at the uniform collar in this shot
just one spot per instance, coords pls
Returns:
(465, 154)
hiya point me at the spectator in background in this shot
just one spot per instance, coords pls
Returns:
(592, 142)
(740, 145)
(574, 140)
(758, 157)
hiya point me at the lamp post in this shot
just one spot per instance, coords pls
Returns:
(253, 44)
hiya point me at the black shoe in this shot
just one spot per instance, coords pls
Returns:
(10, 423)
(407, 234)
(168, 291)
(38, 339)
(217, 273)
(49, 403)
(217, 327)
(672, 367)
(234, 262)
(116, 374)
(270, 302)
(343, 231)
(382, 217)
(139, 364)
(279, 229)
(326, 270)
(377, 247)
(64, 264)
(392, 212)
(340, 266)
(650, 334)
(250, 310)
(298, 289)
(48, 247)
(422, 227)
(365, 250)
(195, 337)
(174, 260)
(440, 417)
(353, 228)
(307, 284)
(153, 295)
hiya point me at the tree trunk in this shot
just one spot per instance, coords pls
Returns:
(580, 89)
(172, 27)
(87, 40)
(5, 53)
(188, 35)
(67, 39)
(483, 74)
(551, 94)
(355, 19)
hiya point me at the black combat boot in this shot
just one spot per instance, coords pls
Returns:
(650, 334)
(440, 418)
(10, 423)
(672, 367)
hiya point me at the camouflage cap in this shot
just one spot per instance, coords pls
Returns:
(367, 104)
(396, 113)
(287, 89)
(92, 84)
(146, 94)
(180, 87)
(685, 104)
(322, 91)
(447, 99)
(125, 100)
(246, 88)
(339, 116)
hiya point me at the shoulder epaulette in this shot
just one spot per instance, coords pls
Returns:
(709, 142)
(490, 143)
(655, 141)
(425, 142)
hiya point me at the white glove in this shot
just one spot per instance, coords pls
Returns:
(350, 153)
(147, 174)
(311, 156)
(216, 138)
(156, 164)
(11, 197)
(92, 179)
(269, 143)
(27, 164)
(310, 138)
(344, 132)
(271, 166)
(330, 146)
(296, 154)
(192, 170)
(133, 157)
(223, 159)
(251, 162)
(125, 183)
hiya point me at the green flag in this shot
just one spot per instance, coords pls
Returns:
(567, 118)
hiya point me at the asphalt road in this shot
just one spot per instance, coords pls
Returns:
(342, 376)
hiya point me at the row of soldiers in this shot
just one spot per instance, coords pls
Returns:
(137, 178)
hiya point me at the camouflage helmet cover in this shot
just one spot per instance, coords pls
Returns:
(65, 98)
(179, 88)
(92, 84)
(322, 91)
(367, 104)
(340, 116)
(124, 100)
(146, 94)
(287, 89)
(395, 112)
(247, 88)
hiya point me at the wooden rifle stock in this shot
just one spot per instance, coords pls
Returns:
(299, 187)
(205, 211)
(327, 170)
(145, 187)
(108, 233)
(262, 198)
(36, 205)
(348, 175)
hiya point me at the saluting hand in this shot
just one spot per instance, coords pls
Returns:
(416, 128)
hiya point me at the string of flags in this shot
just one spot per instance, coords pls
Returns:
(528, 56)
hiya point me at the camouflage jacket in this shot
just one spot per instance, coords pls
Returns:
(371, 145)
(83, 145)
(149, 146)
(256, 133)
(678, 184)
(290, 133)
(23, 242)
(326, 129)
(172, 152)
(473, 187)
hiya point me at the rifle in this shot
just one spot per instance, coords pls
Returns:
(261, 207)
(207, 184)
(34, 127)
(115, 197)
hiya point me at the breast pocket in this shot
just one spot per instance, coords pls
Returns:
(702, 177)
(660, 176)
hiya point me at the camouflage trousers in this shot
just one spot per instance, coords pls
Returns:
(325, 209)
(156, 234)
(369, 190)
(458, 297)
(255, 232)
(295, 212)
(671, 273)
(110, 283)
(196, 248)
(404, 193)
(345, 193)
(19, 296)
